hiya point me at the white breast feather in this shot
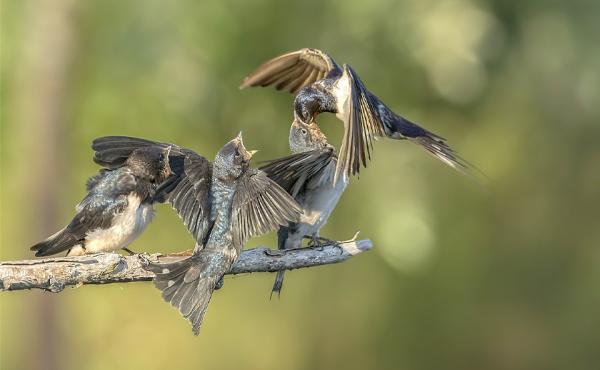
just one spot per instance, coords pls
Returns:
(318, 205)
(127, 226)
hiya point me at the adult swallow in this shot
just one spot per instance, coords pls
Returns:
(308, 175)
(223, 204)
(321, 85)
(116, 209)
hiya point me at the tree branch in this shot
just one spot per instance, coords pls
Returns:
(54, 274)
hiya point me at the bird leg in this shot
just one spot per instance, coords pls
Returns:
(129, 251)
(318, 242)
(220, 283)
(275, 252)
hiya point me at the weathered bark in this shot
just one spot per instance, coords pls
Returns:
(54, 274)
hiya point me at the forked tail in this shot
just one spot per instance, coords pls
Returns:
(187, 285)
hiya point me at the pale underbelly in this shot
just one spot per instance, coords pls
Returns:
(127, 226)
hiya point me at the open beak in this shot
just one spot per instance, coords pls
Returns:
(248, 155)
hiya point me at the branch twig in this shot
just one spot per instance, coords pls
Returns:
(54, 274)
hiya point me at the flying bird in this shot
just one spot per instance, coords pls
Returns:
(116, 209)
(308, 175)
(321, 85)
(223, 204)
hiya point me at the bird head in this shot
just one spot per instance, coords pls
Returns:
(306, 136)
(150, 163)
(233, 159)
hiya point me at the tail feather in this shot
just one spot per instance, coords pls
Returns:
(401, 128)
(186, 286)
(442, 151)
(282, 235)
(59, 242)
(278, 284)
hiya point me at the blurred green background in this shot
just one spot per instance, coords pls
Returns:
(460, 277)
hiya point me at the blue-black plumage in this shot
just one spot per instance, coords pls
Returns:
(308, 175)
(321, 85)
(223, 204)
(116, 209)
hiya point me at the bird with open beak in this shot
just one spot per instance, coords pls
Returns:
(321, 85)
(308, 175)
(223, 204)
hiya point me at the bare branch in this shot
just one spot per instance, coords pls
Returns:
(54, 274)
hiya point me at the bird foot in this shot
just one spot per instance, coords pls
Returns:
(129, 251)
(274, 252)
(318, 242)
(220, 283)
(144, 259)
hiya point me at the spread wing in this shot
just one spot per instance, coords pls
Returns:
(260, 206)
(187, 190)
(292, 71)
(294, 171)
(361, 124)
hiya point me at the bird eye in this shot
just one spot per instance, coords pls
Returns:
(303, 131)
(237, 153)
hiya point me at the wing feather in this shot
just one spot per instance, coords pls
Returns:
(288, 71)
(260, 206)
(361, 125)
(187, 190)
(293, 172)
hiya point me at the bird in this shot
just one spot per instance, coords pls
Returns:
(223, 204)
(308, 175)
(321, 85)
(116, 209)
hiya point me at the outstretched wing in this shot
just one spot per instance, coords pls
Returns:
(292, 71)
(112, 151)
(361, 124)
(365, 116)
(294, 171)
(260, 206)
(187, 190)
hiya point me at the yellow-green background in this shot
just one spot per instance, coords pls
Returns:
(460, 277)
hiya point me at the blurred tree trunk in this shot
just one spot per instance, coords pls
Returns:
(46, 56)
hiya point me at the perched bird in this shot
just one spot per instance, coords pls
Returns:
(117, 208)
(223, 204)
(308, 175)
(321, 85)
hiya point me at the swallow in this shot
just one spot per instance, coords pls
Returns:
(223, 204)
(321, 85)
(308, 175)
(116, 209)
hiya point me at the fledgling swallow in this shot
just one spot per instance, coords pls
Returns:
(117, 208)
(308, 175)
(223, 204)
(321, 85)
